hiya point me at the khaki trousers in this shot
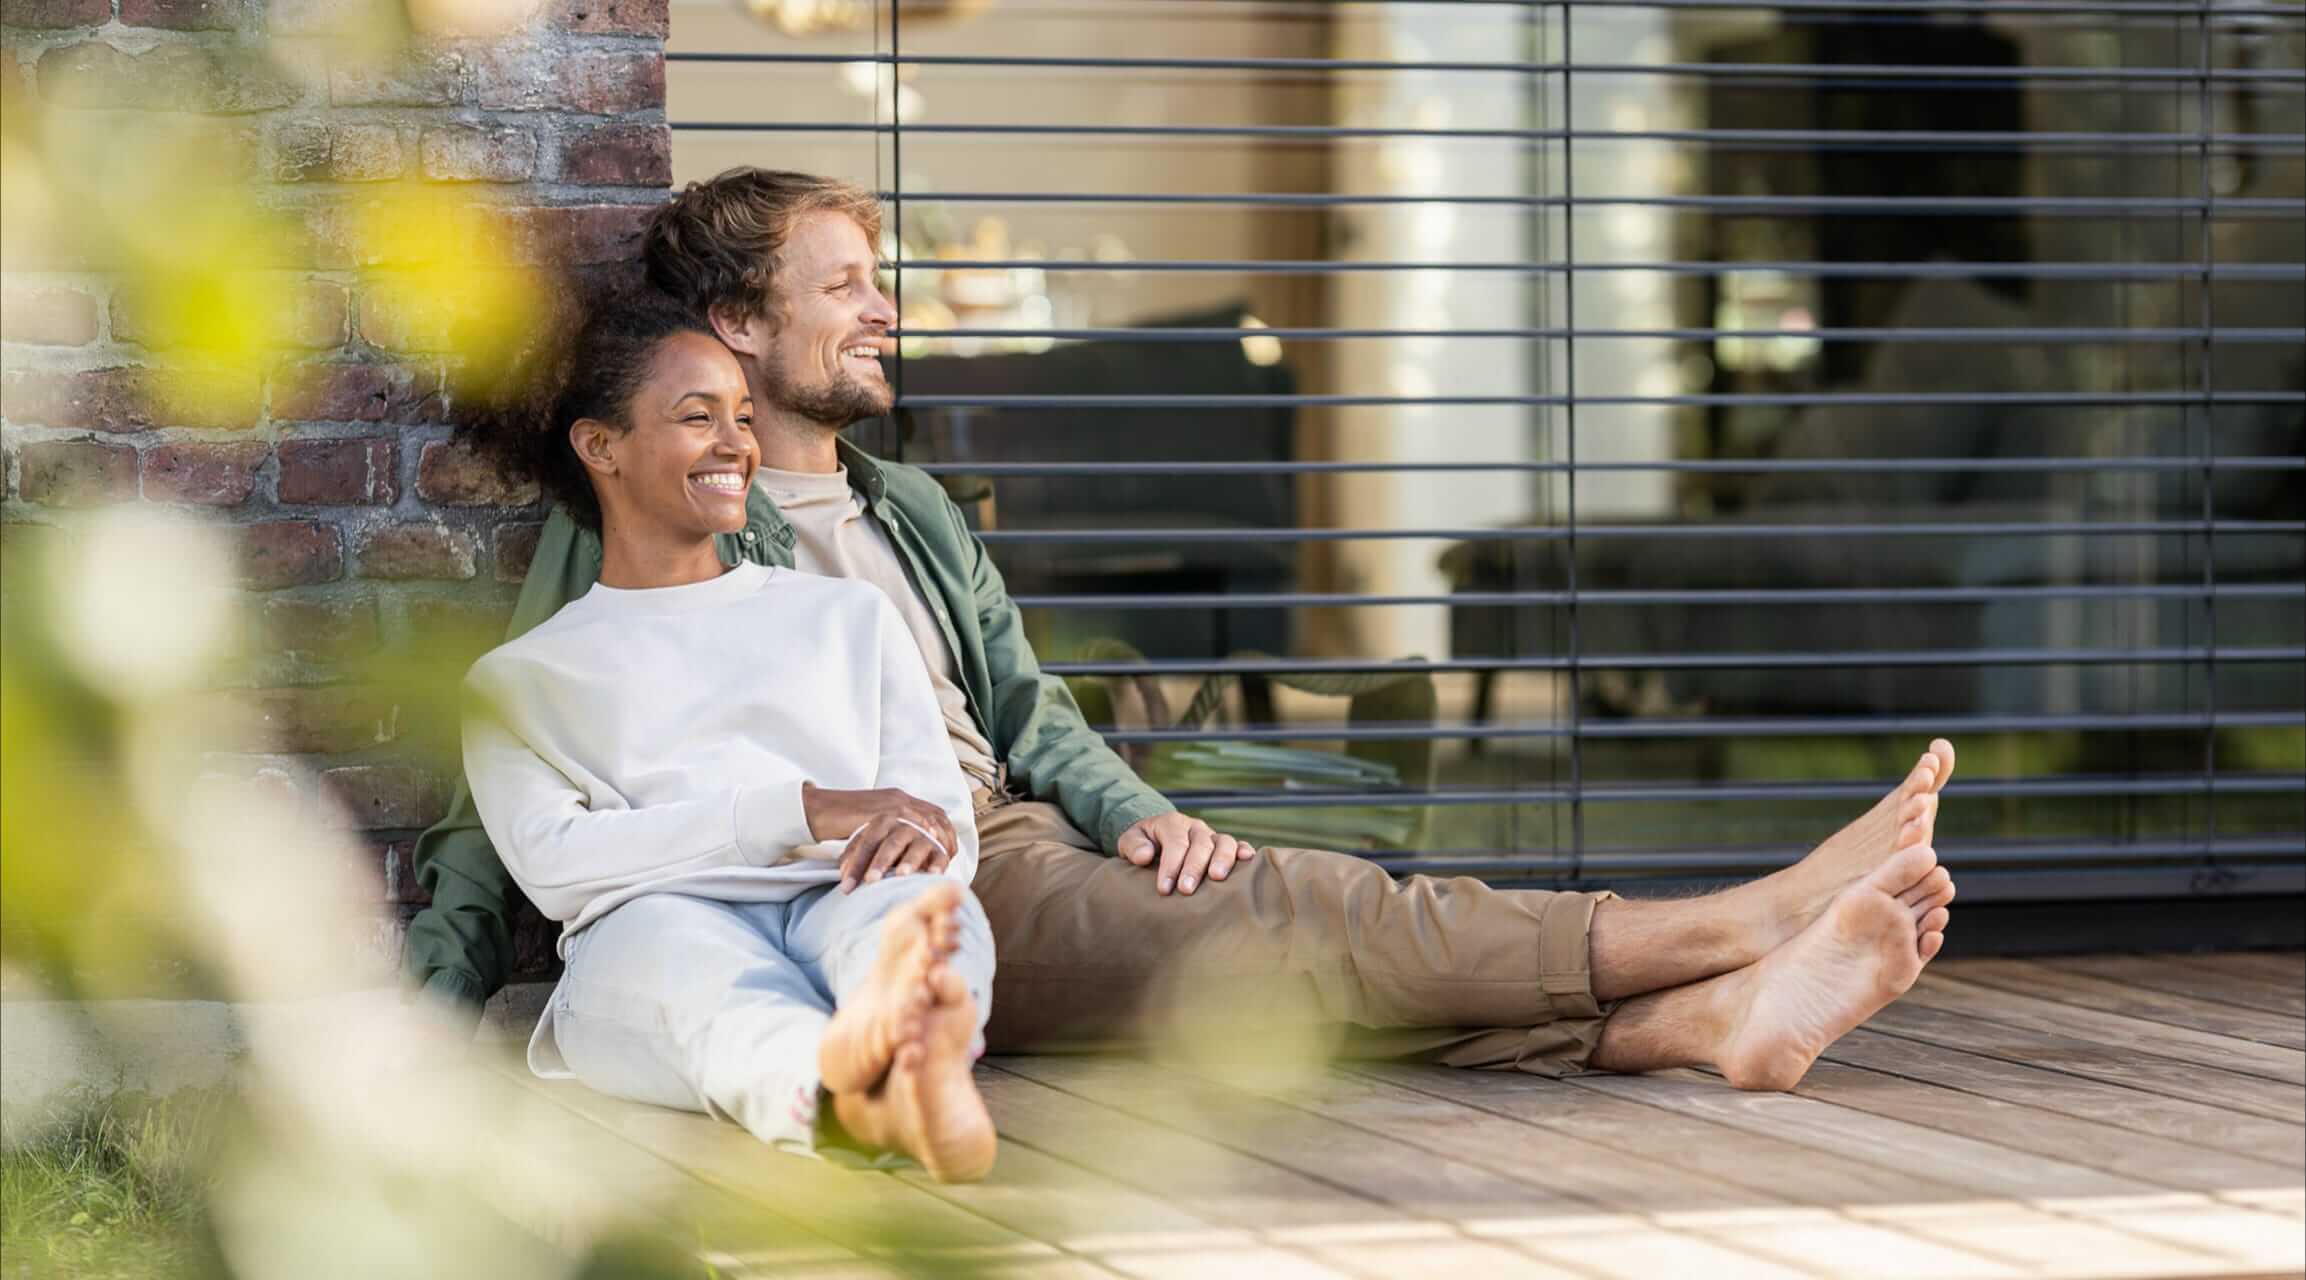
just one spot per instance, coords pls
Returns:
(1433, 970)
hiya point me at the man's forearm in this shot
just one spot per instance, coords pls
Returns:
(460, 947)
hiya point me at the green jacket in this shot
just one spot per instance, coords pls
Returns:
(461, 945)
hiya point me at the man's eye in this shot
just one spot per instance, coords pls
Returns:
(745, 418)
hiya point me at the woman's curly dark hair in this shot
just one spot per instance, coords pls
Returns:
(586, 360)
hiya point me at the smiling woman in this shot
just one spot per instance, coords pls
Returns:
(627, 406)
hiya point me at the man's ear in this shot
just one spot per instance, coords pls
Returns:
(741, 329)
(594, 442)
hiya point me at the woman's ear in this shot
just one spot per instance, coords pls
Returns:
(595, 445)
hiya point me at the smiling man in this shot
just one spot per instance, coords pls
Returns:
(1754, 980)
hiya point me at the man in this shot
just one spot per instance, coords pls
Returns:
(1755, 980)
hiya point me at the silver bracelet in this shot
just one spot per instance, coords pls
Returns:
(932, 837)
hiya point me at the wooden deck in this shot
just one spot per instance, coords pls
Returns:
(2094, 1116)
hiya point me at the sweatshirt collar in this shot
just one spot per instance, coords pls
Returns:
(741, 581)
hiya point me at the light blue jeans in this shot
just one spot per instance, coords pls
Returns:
(718, 1006)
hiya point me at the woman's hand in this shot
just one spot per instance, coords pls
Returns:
(837, 815)
(891, 845)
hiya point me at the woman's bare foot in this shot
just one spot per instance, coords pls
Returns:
(928, 1107)
(892, 1005)
(1787, 901)
(1864, 951)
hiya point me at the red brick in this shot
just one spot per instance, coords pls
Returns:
(357, 393)
(290, 553)
(585, 234)
(454, 476)
(626, 155)
(323, 719)
(478, 153)
(77, 473)
(56, 13)
(211, 475)
(93, 399)
(587, 81)
(363, 473)
(317, 316)
(515, 550)
(397, 552)
(612, 17)
(185, 15)
(320, 630)
(422, 79)
(365, 153)
(51, 317)
(397, 860)
(384, 796)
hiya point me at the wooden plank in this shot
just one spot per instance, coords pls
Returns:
(2151, 1160)
(2237, 981)
(1765, 1161)
(2287, 968)
(2282, 1145)
(722, 1228)
(2130, 1035)
(1979, 1167)
(1960, 1028)
(1200, 1178)
(2247, 1238)
(2108, 996)
(2168, 973)
(1769, 1169)
(1222, 1264)
(1364, 1164)
(1838, 1246)
(1450, 1255)
(865, 1211)
(1634, 1250)
(1037, 1195)
(2046, 1244)
(1565, 1166)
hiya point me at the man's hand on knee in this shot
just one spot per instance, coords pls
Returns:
(1187, 850)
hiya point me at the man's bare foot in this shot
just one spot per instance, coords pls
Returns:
(1863, 952)
(929, 1107)
(1785, 902)
(892, 1005)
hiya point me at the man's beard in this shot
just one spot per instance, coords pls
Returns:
(841, 402)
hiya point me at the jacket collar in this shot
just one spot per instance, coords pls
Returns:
(865, 476)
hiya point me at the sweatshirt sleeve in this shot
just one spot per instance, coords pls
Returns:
(915, 747)
(565, 846)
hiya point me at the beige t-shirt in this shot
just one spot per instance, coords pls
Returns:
(834, 537)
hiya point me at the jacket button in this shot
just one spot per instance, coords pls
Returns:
(749, 536)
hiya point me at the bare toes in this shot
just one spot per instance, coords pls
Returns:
(1930, 945)
(1944, 751)
(1904, 870)
(1934, 890)
(1935, 920)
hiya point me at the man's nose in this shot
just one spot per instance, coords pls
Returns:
(879, 311)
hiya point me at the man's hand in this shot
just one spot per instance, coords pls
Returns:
(891, 845)
(837, 815)
(1188, 849)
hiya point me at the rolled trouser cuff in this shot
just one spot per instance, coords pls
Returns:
(1565, 953)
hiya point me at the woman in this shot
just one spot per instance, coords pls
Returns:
(760, 874)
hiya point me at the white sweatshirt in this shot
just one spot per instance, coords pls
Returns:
(655, 741)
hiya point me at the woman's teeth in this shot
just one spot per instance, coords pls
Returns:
(725, 481)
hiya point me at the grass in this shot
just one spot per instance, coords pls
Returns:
(117, 1192)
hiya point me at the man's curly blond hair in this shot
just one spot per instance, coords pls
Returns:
(716, 244)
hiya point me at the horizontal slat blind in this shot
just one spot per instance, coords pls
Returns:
(1708, 401)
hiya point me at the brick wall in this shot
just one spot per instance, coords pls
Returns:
(365, 534)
